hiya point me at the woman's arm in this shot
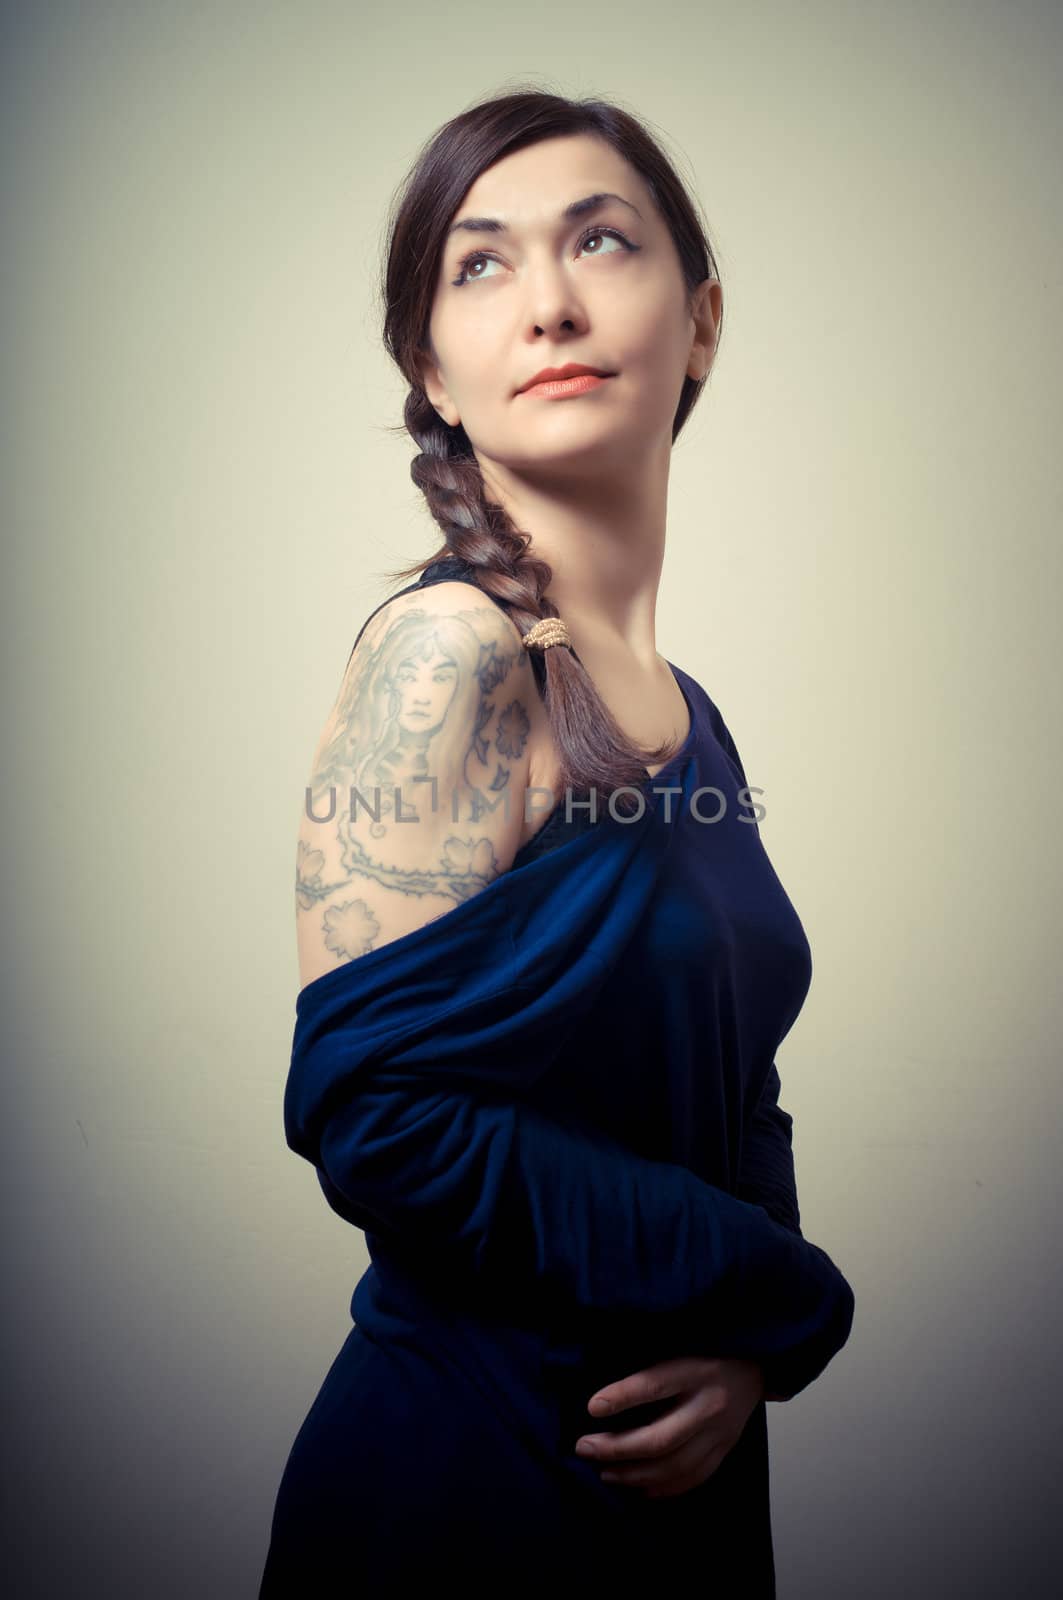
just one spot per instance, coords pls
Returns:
(530, 1203)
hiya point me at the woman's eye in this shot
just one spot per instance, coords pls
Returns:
(466, 275)
(603, 233)
(471, 261)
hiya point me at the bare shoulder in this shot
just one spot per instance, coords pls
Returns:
(415, 801)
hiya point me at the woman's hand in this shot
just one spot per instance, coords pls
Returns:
(685, 1445)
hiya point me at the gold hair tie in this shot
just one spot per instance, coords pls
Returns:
(547, 631)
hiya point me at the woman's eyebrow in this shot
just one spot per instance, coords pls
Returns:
(576, 209)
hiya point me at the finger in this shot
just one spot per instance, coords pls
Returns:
(664, 1378)
(657, 1437)
(675, 1474)
(668, 1490)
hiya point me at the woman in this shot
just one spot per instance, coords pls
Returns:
(546, 963)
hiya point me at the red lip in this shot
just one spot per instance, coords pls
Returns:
(575, 369)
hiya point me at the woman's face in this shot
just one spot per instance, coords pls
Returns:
(603, 288)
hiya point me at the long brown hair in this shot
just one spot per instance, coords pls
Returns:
(594, 752)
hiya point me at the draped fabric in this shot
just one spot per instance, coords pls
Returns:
(412, 1092)
(555, 1114)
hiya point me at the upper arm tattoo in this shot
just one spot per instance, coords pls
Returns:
(432, 712)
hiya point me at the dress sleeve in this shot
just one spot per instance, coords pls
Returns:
(411, 1091)
(766, 1167)
(555, 1208)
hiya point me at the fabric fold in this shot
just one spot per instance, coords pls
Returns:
(406, 1091)
(766, 1174)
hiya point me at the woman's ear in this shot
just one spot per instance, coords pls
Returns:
(705, 311)
(432, 383)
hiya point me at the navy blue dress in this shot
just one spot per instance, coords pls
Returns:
(554, 1112)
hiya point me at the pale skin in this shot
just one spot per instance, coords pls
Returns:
(588, 478)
